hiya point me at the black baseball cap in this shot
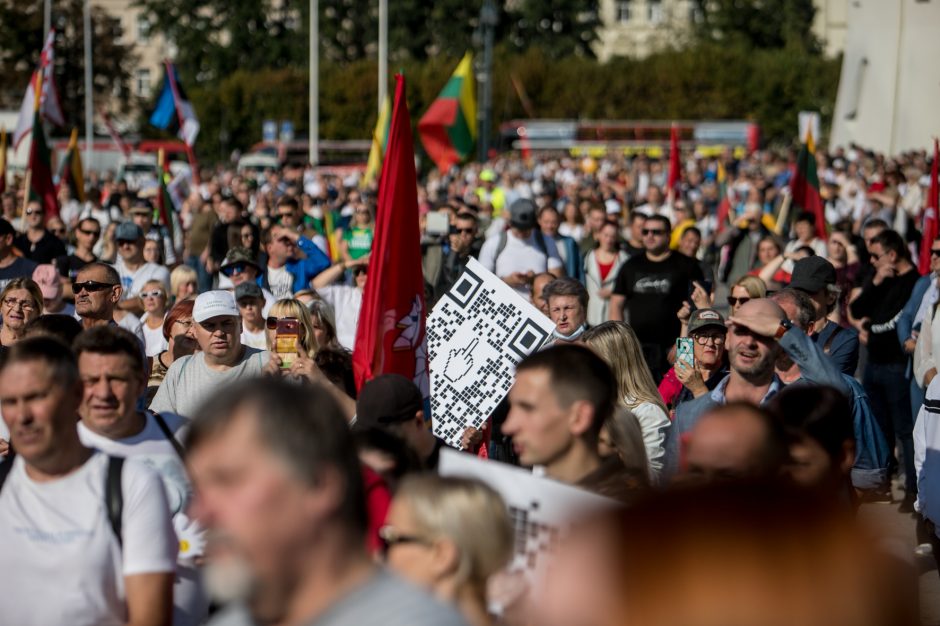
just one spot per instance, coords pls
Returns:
(387, 399)
(812, 274)
(522, 213)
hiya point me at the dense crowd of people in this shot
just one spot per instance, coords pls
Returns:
(735, 376)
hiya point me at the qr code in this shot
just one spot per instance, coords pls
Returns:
(532, 539)
(477, 334)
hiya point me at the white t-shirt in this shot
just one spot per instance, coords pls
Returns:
(519, 255)
(189, 381)
(281, 282)
(133, 282)
(346, 302)
(257, 340)
(152, 448)
(62, 563)
(154, 341)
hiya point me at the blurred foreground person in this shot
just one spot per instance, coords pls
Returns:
(449, 535)
(756, 554)
(279, 488)
(85, 538)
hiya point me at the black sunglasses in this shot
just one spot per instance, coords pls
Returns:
(735, 301)
(461, 231)
(233, 270)
(935, 253)
(91, 286)
(95, 233)
(653, 231)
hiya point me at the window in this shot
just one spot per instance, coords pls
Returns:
(142, 83)
(143, 29)
(623, 11)
(654, 11)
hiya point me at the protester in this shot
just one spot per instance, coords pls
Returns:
(221, 358)
(286, 270)
(745, 289)
(289, 308)
(346, 300)
(238, 268)
(537, 291)
(21, 302)
(251, 304)
(38, 243)
(125, 556)
(449, 536)
(518, 254)
(650, 288)
(180, 337)
(112, 373)
(567, 301)
(50, 283)
(559, 402)
(97, 289)
(682, 382)
(879, 304)
(617, 344)
(133, 269)
(11, 265)
(304, 549)
(357, 238)
(601, 266)
(548, 223)
(86, 233)
(463, 247)
(183, 283)
(324, 325)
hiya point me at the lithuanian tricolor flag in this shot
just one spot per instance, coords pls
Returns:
(804, 186)
(70, 171)
(448, 129)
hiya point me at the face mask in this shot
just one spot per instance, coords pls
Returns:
(573, 336)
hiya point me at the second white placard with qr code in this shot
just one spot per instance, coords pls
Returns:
(477, 334)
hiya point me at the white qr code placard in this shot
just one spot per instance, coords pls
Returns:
(477, 334)
(540, 508)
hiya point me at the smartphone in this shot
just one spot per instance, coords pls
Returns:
(286, 340)
(684, 350)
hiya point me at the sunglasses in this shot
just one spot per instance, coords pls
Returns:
(285, 241)
(33, 211)
(359, 270)
(156, 293)
(653, 231)
(732, 301)
(93, 233)
(935, 253)
(91, 286)
(461, 231)
(234, 270)
(390, 536)
(126, 242)
(283, 215)
(271, 322)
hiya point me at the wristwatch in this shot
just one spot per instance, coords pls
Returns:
(785, 325)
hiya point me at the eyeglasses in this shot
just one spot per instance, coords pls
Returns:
(703, 339)
(360, 270)
(126, 242)
(184, 323)
(732, 301)
(234, 270)
(91, 286)
(935, 253)
(391, 537)
(461, 231)
(25, 305)
(156, 293)
(653, 231)
(93, 233)
(271, 322)
(33, 211)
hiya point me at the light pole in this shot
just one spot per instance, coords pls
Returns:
(314, 108)
(89, 107)
(383, 52)
(488, 20)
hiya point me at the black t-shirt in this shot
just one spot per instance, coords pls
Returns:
(655, 291)
(882, 304)
(20, 268)
(43, 251)
(69, 266)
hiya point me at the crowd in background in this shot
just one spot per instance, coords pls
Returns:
(737, 375)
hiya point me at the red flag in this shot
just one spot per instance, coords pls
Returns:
(674, 165)
(391, 333)
(930, 214)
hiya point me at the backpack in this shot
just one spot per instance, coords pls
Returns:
(113, 493)
(539, 241)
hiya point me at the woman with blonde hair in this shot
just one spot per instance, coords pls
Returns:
(291, 308)
(746, 288)
(183, 283)
(449, 535)
(324, 324)
(617, 344)
(20, 303)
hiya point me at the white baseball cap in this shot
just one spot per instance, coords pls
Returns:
(213, 304)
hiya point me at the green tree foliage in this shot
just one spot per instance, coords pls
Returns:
(559, 27)
(22, 38)
(760, 24)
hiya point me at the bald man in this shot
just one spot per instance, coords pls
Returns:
(735, 441)
(757, 337)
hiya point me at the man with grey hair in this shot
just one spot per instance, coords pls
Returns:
(567, 301)
(281, 493)
(816, 277)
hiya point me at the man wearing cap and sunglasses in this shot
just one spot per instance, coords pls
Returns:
(134, 271)
(239, 268)
(222, 358)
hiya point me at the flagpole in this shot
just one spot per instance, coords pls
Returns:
(89, 111)
(313, 111)
(46, 19)
(383, 52)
